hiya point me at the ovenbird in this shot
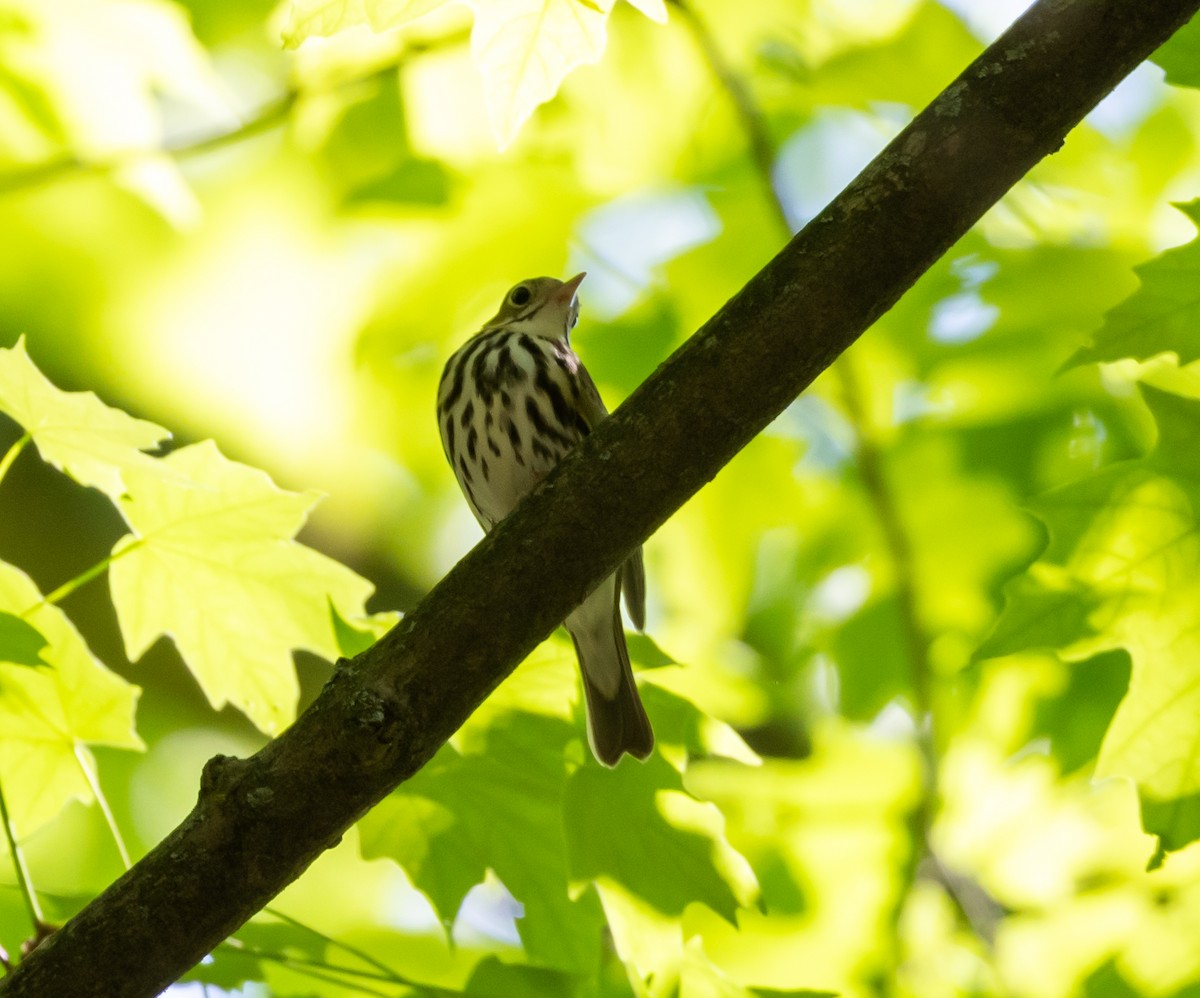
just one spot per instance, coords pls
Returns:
(512, 401)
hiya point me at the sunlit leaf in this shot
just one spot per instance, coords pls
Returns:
(48, 714)
(74, 431)
(524, 48)
(414, 181)
(1120, 572)
(1162, 315)
(679, 855)
(212, 563)
(496, 808)
(506, 797)
(318, 18)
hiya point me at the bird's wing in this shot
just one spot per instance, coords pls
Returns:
(633, 572)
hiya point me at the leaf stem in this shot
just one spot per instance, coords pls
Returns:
(68, 587)
(23, 880)
(82, 579)
(11, 454)
(749, 115)
(316, 970)
(338, 944)
(93, 781)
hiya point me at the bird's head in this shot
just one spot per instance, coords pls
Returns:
(542, 306)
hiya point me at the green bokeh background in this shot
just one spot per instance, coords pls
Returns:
(291, 287)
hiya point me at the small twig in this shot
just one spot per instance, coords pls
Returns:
(93, 781)
(752, 120)
(330, 973)
(354, 951)
(24, 883)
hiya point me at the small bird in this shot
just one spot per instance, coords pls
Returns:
(513, 400)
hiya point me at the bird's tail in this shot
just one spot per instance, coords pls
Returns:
(617, 721)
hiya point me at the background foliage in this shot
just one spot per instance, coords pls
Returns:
(923, 658)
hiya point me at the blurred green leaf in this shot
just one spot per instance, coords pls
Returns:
(1076, 718)
(496, 808)
(1162, 315)
(1123, 559)
(874, 665)
(909, 67)
(20, 642)
(211, 561)
(1180, 56)
(524, 48)
(506, 797)
(415, 181)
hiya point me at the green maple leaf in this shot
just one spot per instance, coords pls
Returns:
(514, 793)
(212, 562)
(1122, 570)
(49, 715)
(499, 809)
(1162, 316)
(523, 49)
(74, 431)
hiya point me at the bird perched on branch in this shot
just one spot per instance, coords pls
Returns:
(513, 400)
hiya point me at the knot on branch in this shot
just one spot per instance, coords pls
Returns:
(220, 773)
(369, 711)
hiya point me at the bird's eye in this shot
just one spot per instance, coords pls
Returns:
(520, 295)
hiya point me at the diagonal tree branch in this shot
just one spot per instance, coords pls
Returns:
(259, 822)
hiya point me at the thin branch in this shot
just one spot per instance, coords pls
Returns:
(354, 951)
(24, 883)
(259, 822)
(753, 122)
(93, 781)
(305, 965)
(317, 971)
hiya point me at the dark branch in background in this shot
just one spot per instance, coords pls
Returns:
(977, 909)
(260, 822)
(754, 124)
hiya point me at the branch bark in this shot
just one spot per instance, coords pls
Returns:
(259, 822)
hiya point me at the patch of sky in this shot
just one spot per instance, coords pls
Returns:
(820, 159)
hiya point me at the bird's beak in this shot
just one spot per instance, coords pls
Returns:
(566, 294)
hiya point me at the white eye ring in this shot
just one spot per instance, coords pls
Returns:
(520, 295)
